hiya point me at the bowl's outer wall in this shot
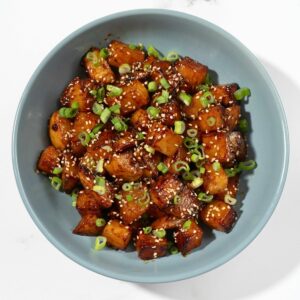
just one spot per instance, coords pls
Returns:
(187, 35)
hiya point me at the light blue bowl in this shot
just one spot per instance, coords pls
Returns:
(168, 30)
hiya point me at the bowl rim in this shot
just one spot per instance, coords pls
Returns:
(175, 277)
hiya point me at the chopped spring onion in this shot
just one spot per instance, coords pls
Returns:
(147, 67)
(188, 176)
(75, 105)
(99, 167)
(100, 222)
(104, 53)
(190, 143)
(74, 203)
(92, 56)
(97, 108)
(93, 92)
(187, 224)
(164, 82)
(229, 200)
(68, 112)
(197, 182)
(99, 189)
(115, 109)
(208, 79)
(74, 196)
(124, 69)
(129, 198)
(96, 129)
(149, 149)
(105, 115)
(196, 173)
(176, 199)
(107, 148)
(211, 121)
(185, 98)
(179, 127)
(202, 170)
(162, 168)
(132, 46)
(119, 124)
(232, 172)
(113, 90)
(126, 187)
(100, 181)
(57, 171)
(153, 112)
(153, 52)
(140, 136)
(203, 87)
(100, 94)
(247, 165)
(216, 166)
(56, 182)
(181, 166)
(84, 138)
(100, 243)
(160, 233)
(206, 99)
(194, 157)
(145, 200)
(152, 86)
(172, 56)
(192, 132)
(243, 125)
(204, 197)
(118, 196)
(147, 229)
(163, 98)
(173, 250)
(241, 93)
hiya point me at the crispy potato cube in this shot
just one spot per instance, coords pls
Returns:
(159, 69)
(163, 139)
(232, 115)
(188, 238)
(155, 212)
(140, 119)
(87, 203)
(219, 215)
(211, 119)
(85, 122)
(69, 174)
(237, 145)
(192, 71)
(87, 171)
(118, 235)
(214, 182)
(169, 113)
(232, 188)
(149, 246)
(78, 91)
(97, 67)
(134, 96)
(120, 53)
(59, 131)
(192, 111)
(87, 226)
(124, 141)
(134, 203)
(187, 206)
(123, 166)
(164, 189)
(49, 159)
(167, 222)
(224, 93)
(104, 139)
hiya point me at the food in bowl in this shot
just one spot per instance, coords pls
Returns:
(149, 148)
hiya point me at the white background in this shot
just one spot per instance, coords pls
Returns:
(31, 268)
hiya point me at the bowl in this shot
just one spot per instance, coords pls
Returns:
(167, 30)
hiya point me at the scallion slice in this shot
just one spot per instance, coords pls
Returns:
(100, 222)
(162, 168)
(126, 187)
(147, 229)
(104, 53)
(192, 132)
(197, 182)
(185, 98)
(57, 170)
(99, 167)
(181, 166)
(129, 198)
(124, 69)
(163, 98)
(211, 121)
(115, 109)
(105, 115)
(97, 108)
(179, 127)
(152, 86)
(190, 142)
(149, 149)
(206, 99)
(113, 90)
(247, 165)
(187, 224)
(153, 52)
(56, 182)
(216, 166)
(153, 112)
(241, 93)
(160, 233)
(84, 138)
(164, 82)
(119, 124)
(100, 243)
(172, 56)
(230, 200)
(205, 197)
(243, 125)
(176, 199)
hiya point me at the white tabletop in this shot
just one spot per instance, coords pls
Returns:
(31, 268)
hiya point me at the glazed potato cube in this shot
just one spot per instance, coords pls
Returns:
(169, 113)
(59, 131)
(104, 139)
(155, 212)
(214, 182)
(124, 141)
(134, 203)
(163, 139)
(232, 188)
(192, 71)
(78, 91)
(219, 215)
(181, 155)
(87, 171)
(211, 119)
(87, 203)
(165, 188)
(49, 159)
(187, 206)
(232, 115)
(87, 226)
(69, 174)
(167, 222)
(224, 93)
(159, 69)
(120, 53)
(118, 235)
(85, 122)
(140, 119)
(134, 96)
(189, 237)
(237, 145)
(97, 67)
(192, 111)
(123, 166)
(149, 246)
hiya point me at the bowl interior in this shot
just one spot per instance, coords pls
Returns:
(187, 35)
